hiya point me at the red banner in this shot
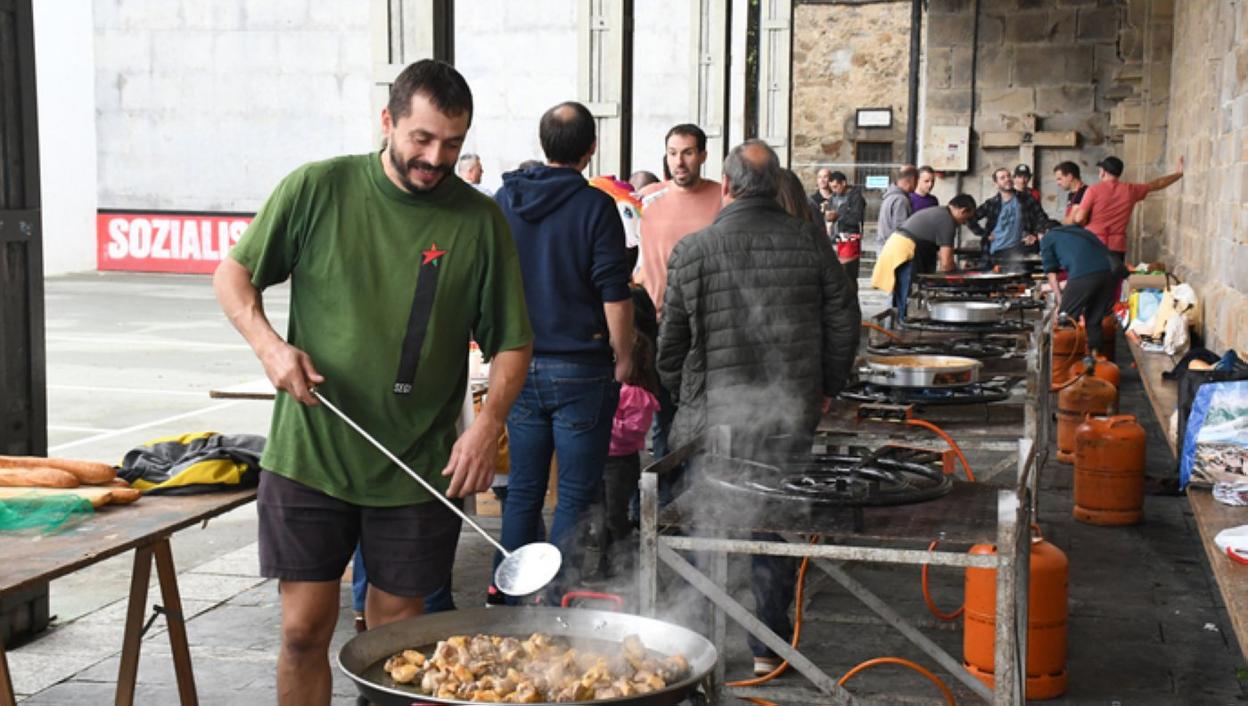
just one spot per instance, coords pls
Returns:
(186, 243)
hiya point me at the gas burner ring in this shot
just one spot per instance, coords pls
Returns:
(890, 476)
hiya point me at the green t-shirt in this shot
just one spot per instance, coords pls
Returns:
(353, 245)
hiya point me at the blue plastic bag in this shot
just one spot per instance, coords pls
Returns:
(1215, 445)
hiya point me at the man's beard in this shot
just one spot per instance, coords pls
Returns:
(688, 179)
(401, 169)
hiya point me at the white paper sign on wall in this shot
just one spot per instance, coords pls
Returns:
(947, 148)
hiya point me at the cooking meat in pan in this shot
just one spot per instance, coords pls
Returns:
(539, 669)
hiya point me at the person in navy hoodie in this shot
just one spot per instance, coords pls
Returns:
(571, 246)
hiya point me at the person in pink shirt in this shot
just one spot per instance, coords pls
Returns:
(675, 207)
(1106, 206)
(633, 418)
(671, 209)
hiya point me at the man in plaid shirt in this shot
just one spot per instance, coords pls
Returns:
(1012, 219)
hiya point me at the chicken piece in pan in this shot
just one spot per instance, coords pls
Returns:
(540, 668)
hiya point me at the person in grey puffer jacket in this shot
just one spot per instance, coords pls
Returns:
(759, 325)
(763, 315)
(895, 206)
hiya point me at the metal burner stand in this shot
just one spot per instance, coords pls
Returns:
(1013, 512)
(994, 428)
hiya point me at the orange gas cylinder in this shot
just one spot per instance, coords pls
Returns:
(1109, 334)
(1109, 471)
(1104, 369)
(1070, 344)
(1046, 620)
(1086, 395)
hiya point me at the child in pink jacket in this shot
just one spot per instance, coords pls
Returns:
(632, 421)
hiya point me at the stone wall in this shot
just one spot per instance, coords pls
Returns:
(847, 57)
(1058, 59)
(1206, 214)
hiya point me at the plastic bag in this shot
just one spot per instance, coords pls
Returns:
(1215, 442)
(1233, 541)
(1176, 339)
(1145, 304)
(41, 513)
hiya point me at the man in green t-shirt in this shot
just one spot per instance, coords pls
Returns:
(394, 265)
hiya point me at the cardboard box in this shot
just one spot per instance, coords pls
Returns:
(1146, 281)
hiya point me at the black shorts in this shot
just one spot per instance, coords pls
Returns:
(306, 535)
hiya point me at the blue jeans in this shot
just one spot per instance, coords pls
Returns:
(773, 584)
(564, 409)
(901, 289)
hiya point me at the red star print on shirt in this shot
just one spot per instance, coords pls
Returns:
(432, 254)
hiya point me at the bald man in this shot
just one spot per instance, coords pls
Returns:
(570, 242)
(760, 324)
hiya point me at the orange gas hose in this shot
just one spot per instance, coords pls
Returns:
(881, 329)
(948, 440)
(797, 634)
(797, 628)
(927, 596)
(944, 690)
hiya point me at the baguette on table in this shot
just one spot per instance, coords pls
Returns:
(88, 472)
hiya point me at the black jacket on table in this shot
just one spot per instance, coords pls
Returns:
(759, 323)
(1035, 220)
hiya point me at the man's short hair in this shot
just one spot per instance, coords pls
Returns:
(642, 178)
(1069, 169)
(747, 178)
(838, 176)
(529, 164)
(436, 80)
(688, 130)
(962, 201)
(468, 158)
(925, 169)
(1111, 164)
(908, 173)
(998, 170)
(567, 132)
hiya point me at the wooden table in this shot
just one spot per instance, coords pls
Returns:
(1210, 515)
(145, 527)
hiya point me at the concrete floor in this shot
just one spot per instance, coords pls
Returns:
(131, 357)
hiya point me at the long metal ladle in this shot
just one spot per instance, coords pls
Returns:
(523, 571)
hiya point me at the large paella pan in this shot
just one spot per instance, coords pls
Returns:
(363, 657)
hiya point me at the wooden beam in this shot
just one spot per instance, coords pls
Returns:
(1015, 138)
(132, 642)
(1065, 138)
(994, 140)
(175, 620)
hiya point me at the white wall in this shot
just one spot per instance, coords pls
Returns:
(519, 56)
(662, 72)
(205, 105)
(65, 85)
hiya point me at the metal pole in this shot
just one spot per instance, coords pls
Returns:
(648, 576)
(892, 617)
(415, 476)
(912, 101)
(720, 597)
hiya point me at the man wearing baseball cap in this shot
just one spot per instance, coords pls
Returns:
(1022, 182)
(1106, 207)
